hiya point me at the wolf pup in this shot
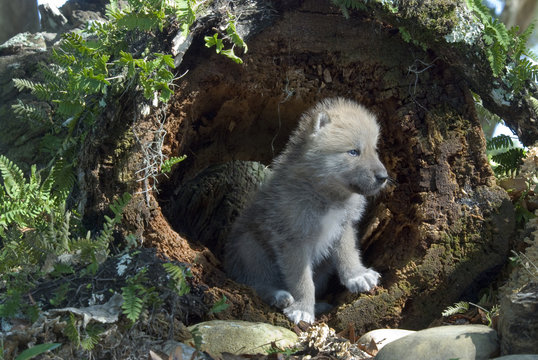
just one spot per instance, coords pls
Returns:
(300, 224)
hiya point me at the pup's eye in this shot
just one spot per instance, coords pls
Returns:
(354, 152)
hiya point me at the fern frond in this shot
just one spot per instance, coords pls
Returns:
(496, 59)
(457, 308)
(71, 330)
(501, 34)
(178, 276)
(91, 337)
(61, 180)
(509, 161)
(31, 112)
(144, 22)
(479, 9)
(133, 304)
(499, 142)
(22, 84)
(13, 177)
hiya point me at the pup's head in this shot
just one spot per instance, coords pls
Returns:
(342, 143)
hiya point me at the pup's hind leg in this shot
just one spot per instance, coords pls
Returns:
(279, 298)
(353, 274)
(247, 262)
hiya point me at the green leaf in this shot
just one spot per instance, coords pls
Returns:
(214, 41)
(37, 350)
(231, 55)
(166, 167)
(457, 308)
(219, 306)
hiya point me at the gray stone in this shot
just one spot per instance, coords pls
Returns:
(445, 342)
(241, 337)
(170, 348)
(518, 357)
(382, 337)
(52, 19)
(23, 43)
(518, 321)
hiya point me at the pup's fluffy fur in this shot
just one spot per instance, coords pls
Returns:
(300, 224)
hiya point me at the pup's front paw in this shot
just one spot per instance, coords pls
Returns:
(282, 299)
(364, 281)
(296, 314)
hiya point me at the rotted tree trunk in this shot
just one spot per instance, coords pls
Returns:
(439, 233)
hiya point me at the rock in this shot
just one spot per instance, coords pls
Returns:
(518, 322)
(518, 357)
(444, 342)
(376, 339)
(52, 19)
(170, 348)
(241, 337)
(23, 43)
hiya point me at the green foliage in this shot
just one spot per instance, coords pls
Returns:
(37, 350)
(179, 277)
(91, 336)
(71, 330)
(136, 295)
(89, 70)
(231, 36)
(166, 167)
(505, 158)
(508, 161)
(197, 340)
(85, 338)
(506, 49)
(457, 308)
(35, 227)
(499, 142)
(219, 306)
(463, 306)
(25, 203)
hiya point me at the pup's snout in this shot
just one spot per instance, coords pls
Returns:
(381, 176)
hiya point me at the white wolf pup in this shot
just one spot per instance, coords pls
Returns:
(300, 224)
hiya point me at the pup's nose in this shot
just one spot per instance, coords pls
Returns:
(381, 177)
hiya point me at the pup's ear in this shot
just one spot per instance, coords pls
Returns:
(322, 119)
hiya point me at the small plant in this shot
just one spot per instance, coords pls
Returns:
(463, 306)
(82, 337)
(197, 339)
(34, 227)
(136, 295)
(457, 308)
(506, 49)
(506, 158)
(219, 306)
(89, 70)
(168, 163)
(231, 36)
(178, 277)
